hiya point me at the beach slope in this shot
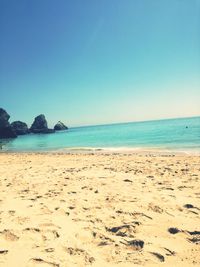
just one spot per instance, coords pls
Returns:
(99, 209)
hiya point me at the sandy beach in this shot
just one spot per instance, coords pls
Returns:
(99, 209)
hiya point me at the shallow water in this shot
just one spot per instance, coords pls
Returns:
(173, 135)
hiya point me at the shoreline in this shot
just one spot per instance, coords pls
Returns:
(109, 150)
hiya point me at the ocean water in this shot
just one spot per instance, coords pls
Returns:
(169, 135)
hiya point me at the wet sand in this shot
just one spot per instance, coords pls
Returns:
(99, 209)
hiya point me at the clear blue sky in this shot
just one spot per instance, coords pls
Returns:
(99, 61)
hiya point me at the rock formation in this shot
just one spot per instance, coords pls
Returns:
(20, 127)
(6, 130)
(60, 126)
(40, 125)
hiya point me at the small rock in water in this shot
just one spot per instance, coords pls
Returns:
(60, 126)
(40, 125)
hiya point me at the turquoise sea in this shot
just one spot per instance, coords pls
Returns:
(170, 135)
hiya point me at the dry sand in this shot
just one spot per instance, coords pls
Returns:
(99, 210)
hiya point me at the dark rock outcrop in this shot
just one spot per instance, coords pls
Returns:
(4, 118)
(60, 126)
(40, 125)
(20, 127)
(6, 130)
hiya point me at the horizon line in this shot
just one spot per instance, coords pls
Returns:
(127, 122)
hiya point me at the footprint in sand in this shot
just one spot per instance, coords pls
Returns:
(49, 250)
(135, 244)
(33, 230)
(155, 208)
(45, 234)
(190, 206)
(194, 235)
(170, 252)
(8, 235)
(123, 230)
(3, 251)
(50, 235)
(42, 263)
(102, 239)
(11, 212)
(81, 252)
(158, 256)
